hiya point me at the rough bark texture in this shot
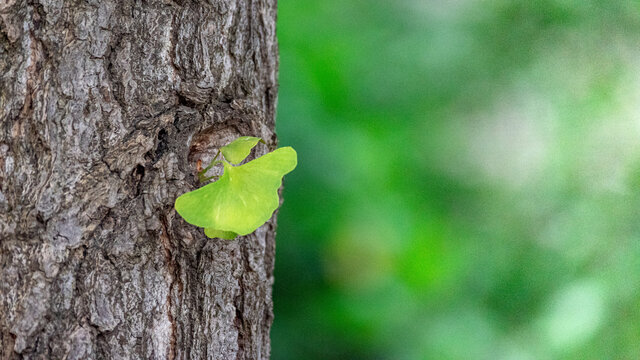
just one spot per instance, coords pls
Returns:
(106, 107)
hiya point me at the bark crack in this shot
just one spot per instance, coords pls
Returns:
(239, 302)
(175, 281)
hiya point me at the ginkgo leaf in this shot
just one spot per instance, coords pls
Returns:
(239, 149)
(243, 198)
(213, 233)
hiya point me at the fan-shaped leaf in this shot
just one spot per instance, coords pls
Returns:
(242, 199)
(239, 148)
(213, 233)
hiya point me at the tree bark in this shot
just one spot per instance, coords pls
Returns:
(106, 109)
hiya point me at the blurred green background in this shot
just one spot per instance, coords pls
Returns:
(468, 180)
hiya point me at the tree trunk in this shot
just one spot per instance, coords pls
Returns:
(106, 108)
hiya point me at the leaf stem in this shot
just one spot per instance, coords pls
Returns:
(213, 163)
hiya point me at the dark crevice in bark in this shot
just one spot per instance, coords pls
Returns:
(138, 174)
(174, 272)
(117, 88)
(184, 101)
(161, 146)
(173, 34)
(239, 301)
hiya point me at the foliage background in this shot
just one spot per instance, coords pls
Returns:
(468, 180)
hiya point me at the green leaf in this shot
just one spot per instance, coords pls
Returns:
(239, 148)
(243, 198)
(213, 233)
